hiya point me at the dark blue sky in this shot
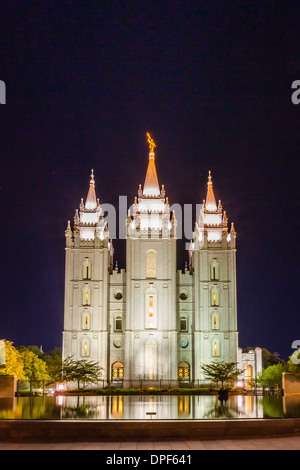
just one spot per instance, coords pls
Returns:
(210, 80)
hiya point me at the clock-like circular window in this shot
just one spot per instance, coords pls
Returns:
(183, 296)
(118, 295)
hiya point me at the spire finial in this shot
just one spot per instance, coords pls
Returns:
(151, 143)
(211, 205)
(151, 186)
(91, 201)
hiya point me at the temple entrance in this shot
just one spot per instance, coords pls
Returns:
(184, 372)
(248, 377)
(117, 374)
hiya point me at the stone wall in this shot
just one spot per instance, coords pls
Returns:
(291, 384)
(8, 386)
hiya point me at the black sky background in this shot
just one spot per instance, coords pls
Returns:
(211, 81)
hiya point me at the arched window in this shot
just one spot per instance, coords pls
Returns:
(85, 321)
(117, 372)
(183, 323)
(215, 321)
(86, 296)
(85, 348)
(87, 270)
(216, 348)
(151, 264)
(184, 372)
(118, 323)
(215, 271)
(215, 297)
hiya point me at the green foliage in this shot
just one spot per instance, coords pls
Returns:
(271, 377)
(34, 368)
(292, 365)
(53, 360)
(13, 362)
(80, 371)
(221, 372)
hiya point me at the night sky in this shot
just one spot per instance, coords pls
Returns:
(210, 80)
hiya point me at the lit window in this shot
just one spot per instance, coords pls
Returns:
(215, 297)
(117, 372)
(86, 296)
(216, 348)
(215, 323)
(151, 310)
(86, 321)
(85, 351)
(184, 372)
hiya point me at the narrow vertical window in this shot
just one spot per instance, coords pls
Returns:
(151, 310)
(118, 324)
(216, 348)
(183, 324)
(215, 271)
(85, 321)
(85, 352)
(215, 298)
(87, 270)
(86, 296)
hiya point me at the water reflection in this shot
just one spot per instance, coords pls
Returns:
(149, 407)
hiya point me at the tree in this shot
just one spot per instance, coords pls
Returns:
(34, 368)
(53, 360)
(13, 362)
(294, 362)
(80, 371)
(221, 372)
(271, 377)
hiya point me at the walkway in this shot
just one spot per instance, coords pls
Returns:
(283, 443)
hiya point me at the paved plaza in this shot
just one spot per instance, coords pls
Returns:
(283, 443)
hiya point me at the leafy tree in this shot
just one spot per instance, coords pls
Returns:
(13, 362)
(221, 372)
(294, 362)
(80, 371)
(35, 369)
(35, 349)
(53, 360)
(271, 377)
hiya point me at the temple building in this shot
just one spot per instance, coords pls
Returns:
(151, 324)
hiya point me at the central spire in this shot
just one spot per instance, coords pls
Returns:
(211, 205)
(91, 201)
(151, 186)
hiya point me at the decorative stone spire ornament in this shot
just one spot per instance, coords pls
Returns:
(210, 204)
(151, 186)
(91, 200)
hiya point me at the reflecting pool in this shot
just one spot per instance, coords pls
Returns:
(149, 407)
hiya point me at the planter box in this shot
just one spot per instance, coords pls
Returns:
(8, 386)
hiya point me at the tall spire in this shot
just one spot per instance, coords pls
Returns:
(211, 205)
(151, 186)
(91, 201)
